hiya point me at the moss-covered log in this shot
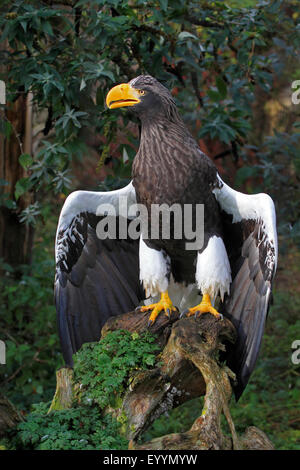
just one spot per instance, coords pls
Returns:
(188, 365)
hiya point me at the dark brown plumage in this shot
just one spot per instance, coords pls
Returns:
(169, 168)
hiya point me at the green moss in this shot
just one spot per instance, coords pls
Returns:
(102, 369)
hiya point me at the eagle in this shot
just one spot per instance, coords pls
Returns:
(100, 272)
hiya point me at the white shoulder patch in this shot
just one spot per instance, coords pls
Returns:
(90, 201)
(259, 207)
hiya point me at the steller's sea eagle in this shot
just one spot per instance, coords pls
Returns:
(97, 277)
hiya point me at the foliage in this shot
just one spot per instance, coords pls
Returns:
(271, 400)
(215, 56)
(101, 373)
(79, 428)
(276, 171)
(102, 369)
(28, 324)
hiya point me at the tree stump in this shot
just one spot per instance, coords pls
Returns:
(189, 366)
(9, 416)
(63, 395)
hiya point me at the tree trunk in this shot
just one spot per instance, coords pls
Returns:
(188, 367)
(15, 238)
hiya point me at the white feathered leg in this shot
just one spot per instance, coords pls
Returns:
(154, 270)
(213, 273)
(155, 274)
(213, 276)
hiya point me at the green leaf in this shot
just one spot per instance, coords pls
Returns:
(23, 185)
(214, 95)
(24, 25)
(47, 28)
(244, 173)
(164, 4)
(25, 160)
(222, 87)
(109, 74)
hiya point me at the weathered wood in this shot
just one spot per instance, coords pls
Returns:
(191, 352)
(138, 321)
(188, 367)
(9, 416)
(153, 392)
(255, 439)
(63, 397)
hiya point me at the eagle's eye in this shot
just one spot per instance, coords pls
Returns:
(141, 92)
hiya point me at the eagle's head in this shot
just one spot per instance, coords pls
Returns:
(146, 96)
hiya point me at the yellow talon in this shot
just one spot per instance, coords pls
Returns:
(204, 307)
(165, 304)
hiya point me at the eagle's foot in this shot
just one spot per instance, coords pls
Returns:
(165, 304)
(204, 307)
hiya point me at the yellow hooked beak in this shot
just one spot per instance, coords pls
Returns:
(122, 95)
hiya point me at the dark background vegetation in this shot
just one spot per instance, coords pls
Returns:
(230, 66)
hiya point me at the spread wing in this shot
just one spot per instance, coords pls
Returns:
(95, 277)
(251, 242)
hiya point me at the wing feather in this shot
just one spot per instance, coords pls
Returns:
(95, 278)
(251, 242)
